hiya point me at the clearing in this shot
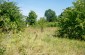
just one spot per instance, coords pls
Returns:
(34, 42)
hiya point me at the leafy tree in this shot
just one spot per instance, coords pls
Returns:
(41, 23)
(50, 15)
(31, 18)
(10, 16)
(79, 5)
(72, 21)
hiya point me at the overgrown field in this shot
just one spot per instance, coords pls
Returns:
(34, 42)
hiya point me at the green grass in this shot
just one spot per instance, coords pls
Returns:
(34, 42)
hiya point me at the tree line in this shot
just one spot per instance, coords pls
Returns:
(12, 19)
(71, 21)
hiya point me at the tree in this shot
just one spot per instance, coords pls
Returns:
(50, 15)
(79, 5)
(41, 23)
(10, 16)
(72, 21)
(31, 18)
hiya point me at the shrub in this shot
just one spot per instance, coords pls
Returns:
(72, 21)
(10, 17)
(72, 24)
(2, 50)
(51, 24)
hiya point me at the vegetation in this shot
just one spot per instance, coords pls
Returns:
(50, 15)
(72, 21)
(42, 23)
(31, 19)
(10, 17)
(41, 43)
(41, 37)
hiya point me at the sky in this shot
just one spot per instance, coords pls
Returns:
(40, 6)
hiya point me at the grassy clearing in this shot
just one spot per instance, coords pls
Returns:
(34, 42)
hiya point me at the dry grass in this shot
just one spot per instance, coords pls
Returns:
(34, 42)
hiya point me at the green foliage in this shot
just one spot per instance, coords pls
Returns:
(72, 22)
(79, 5)
(2, 50)
(50, 15)
(10, 16)
(52, 24)
(31, 18)
(42, 23)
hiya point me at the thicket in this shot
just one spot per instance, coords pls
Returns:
(10, 17)
(72, 21)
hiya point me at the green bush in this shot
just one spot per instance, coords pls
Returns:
(10, 17)
(72, 22)
(51, 24)
(2, 50)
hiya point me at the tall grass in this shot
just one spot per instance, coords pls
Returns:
(34, 42)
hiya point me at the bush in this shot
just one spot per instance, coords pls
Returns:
(72, 21)
(51, 24)
(72, 24)
(10, 17)
(2, 50)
